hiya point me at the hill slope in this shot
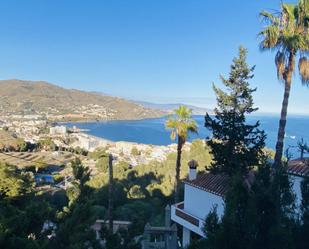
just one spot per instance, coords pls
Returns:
(39, 97)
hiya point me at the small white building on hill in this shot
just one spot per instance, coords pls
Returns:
(203, 192)
(58, 130)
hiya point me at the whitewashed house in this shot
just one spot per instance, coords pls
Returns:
(298, 169)
(203, 192)
(58, 130)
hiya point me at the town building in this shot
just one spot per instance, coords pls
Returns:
(117, 225)
(164, 237)
(203, 192)
(87, 142)
(58, 130)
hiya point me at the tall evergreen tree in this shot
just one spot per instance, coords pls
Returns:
(236, 146)
(233, 232)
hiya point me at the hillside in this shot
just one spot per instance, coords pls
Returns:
(39, 97)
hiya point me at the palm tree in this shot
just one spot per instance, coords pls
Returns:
(287, 32)
(180, 123)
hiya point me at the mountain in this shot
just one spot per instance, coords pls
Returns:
(57, 103)
(171, 107)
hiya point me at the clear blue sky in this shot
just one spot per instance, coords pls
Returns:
(153, 50)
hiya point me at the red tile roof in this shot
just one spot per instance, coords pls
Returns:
(299, 167)
(216, 184)
(219, 184)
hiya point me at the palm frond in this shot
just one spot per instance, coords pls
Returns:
(270, 36)
(289, 12)
(303, 67)
(192, 126)
(280, 62)
(173, 134)
(181, 123)
(269, 18)
(183, 112)
(171, 123)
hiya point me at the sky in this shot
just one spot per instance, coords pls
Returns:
(163, 51)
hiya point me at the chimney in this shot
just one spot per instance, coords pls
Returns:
(192, 169)
(167, 216)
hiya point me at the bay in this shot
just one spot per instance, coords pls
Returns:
(152, 131)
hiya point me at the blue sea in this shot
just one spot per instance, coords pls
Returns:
(152, 131)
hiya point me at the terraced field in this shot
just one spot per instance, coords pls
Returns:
(26, 159)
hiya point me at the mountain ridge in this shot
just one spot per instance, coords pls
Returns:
(41, 97)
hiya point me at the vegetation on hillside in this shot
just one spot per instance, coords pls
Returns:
(140, 196)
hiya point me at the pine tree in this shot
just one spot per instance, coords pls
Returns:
(233, 233)
(272, 209)
(236, 146)
(256, 217)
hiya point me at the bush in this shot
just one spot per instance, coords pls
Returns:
(58, 178)
(135, 151)
(135, 192)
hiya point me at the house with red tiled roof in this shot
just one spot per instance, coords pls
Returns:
(298, 169)
(204, 191)
(201, 193)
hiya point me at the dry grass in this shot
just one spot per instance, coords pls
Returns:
(7, 140)
(27, 159)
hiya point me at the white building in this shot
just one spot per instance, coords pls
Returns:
(58, 130)
(87, 142)
(203, 192)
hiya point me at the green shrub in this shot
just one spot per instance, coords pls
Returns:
(135, 151)
(58, 178)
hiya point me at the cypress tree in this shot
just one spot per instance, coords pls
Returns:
(236, 145)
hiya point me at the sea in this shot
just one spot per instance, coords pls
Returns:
(152, 131)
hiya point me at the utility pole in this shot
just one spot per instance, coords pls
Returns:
(110, 193)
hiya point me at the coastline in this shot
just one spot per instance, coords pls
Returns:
(105, 120)
(130, 152)
(152, 131)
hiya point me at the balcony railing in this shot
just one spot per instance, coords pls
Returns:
(184, 218)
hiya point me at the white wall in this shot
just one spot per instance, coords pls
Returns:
(296, 180)
(199, 202)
